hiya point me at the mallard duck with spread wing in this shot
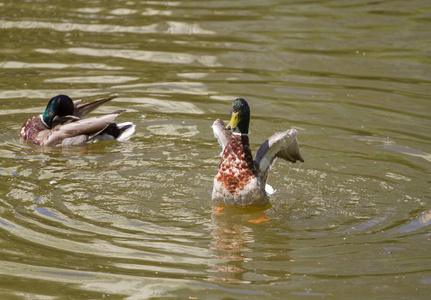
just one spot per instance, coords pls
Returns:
(240, 180)
(63, 124)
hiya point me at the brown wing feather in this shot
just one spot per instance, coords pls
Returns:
(83, 109)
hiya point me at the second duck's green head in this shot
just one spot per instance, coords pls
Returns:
(60, 105)
(240, 118)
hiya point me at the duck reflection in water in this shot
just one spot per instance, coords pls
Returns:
(232, 233)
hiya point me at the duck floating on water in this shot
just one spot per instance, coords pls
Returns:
(62, 124)
(240, 180)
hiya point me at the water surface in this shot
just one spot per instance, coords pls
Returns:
(135, 220)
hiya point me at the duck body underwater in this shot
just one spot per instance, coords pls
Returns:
(240, 179)
(63, 124)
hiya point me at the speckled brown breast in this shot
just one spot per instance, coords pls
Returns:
(237, 167)
(31, 129)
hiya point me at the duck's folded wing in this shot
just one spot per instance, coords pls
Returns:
(63, 120)
(83, 109)
(75, 132)
(281, 144)
(221, 133)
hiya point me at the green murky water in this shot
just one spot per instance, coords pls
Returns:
(135, 220)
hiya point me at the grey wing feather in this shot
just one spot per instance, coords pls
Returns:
(281, 144)
(76, 102)
(221, 133)
(76, 140)
(83, 109)
(63, 120)
(71, 131)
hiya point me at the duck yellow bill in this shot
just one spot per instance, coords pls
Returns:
(233, 120)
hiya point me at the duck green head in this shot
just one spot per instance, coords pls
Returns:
(240, 118)
(60, 105)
